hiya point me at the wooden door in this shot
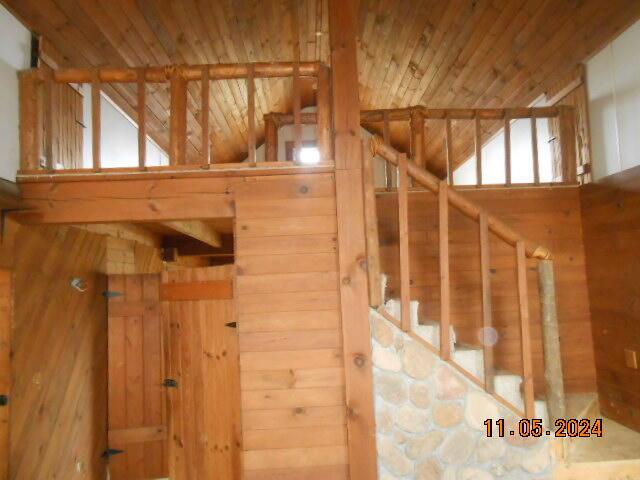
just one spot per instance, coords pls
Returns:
(137, 405)
(6, 296)
(203, 359)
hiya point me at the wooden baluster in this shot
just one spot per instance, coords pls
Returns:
(507, 148)
(487, 314)
(525, 331)
(416, 124)
(445, 293)
(270, 138)
(47, 116)
(478, 147)
(534, 150)
(297, 114)
(178, 120)
(95, 120)
(204, 113)
(449, 141)
(251, 107)
(388, 168)
(403, 235)
(142, 119)
(323, 117)
(371, 227)
(30, 120)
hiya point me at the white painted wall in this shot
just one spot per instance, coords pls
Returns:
(493, 167)
(15, 48)
(613, 80)
(119, 137)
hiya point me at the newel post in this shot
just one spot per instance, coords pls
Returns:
(554, 379)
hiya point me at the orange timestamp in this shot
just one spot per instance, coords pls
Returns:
(533, 427)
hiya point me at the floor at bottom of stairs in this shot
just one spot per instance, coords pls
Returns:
(617, 443)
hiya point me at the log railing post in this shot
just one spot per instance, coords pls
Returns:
(534, 149)
(567, 133)
(478, 148)
(96, 118)
(449, 146)
(417, 137)
(204, 116)
(525, 330)
(142, 120)
(178, 120)
(323, 118)
(507, 148)
(371, 227)
(403, 236)
(445, 293)
(30, 120)
(487, 314)
(551, 342)
(297, 114)
(270, 138)
(251, 113)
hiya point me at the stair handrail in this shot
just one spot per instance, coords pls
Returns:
(487, 223)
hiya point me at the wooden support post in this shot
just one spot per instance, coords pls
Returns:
(371, 228)
(251, 113)
(449, 145)
(403, 235)
(553, 375)
(507, 149)
(445, 293)
(6, 315)
(297, 114)
(96, 118)
(525, 331)
(487, 314)
(534, 150)
(323, 118)
(142, 120)
(204, 116)
(390, 173)
(47, 118)
(270, 138)
(567, 133)
(30, 121)
(478, 147)
(178, 120)
(354, 305)
(417, 137)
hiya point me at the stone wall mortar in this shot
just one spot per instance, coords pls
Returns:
(430, 419)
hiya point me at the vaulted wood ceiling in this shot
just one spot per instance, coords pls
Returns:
(457, 53)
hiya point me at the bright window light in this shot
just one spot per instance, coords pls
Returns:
(309, 156)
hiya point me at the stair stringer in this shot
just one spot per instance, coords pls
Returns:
(430, 418)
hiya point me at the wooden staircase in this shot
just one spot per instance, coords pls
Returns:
(514, 390)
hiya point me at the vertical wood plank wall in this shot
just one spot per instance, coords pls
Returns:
(59, 399)
(611, 218)
(550, 217)
(292, 373)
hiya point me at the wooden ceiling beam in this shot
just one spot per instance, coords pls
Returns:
(197, 229)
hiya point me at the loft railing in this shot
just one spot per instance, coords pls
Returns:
(487, 223)
(37, 116)
(477, 125)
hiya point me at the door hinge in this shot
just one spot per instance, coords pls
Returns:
(231, 324)
(170, 383)
(110, 452)
(112, 294)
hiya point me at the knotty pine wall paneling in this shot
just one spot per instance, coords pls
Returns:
(549, 216)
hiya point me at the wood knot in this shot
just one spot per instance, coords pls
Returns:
(359, 360)
(304, 189)
(346, 281)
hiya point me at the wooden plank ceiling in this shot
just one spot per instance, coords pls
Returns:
(459, 53)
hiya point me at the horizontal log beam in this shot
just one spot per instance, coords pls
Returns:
(189, 72)
(431, 182)
(199, 230)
